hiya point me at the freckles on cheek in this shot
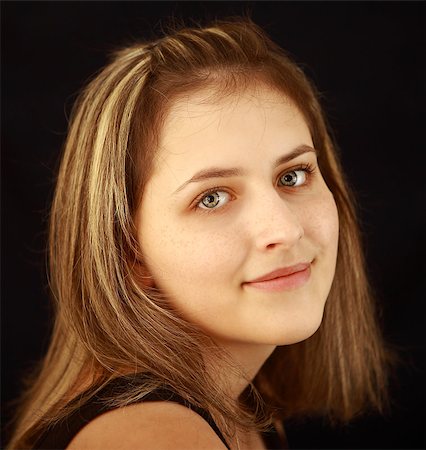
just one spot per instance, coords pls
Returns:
(205, 254)
(321, 220)
(210, 250)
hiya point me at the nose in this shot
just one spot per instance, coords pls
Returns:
(275, 223)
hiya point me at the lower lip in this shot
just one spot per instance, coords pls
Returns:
(293, 281)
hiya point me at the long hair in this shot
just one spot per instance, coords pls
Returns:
(108, 324)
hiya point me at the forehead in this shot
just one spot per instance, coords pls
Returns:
(203, 131)
(249, 130)
(212, 99)
(209, 116)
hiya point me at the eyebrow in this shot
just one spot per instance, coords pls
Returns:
(218, 172)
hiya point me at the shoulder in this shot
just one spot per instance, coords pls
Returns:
(148, 425)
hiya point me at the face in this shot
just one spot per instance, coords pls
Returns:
(236, 223)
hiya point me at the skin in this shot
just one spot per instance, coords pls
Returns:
(150, 426)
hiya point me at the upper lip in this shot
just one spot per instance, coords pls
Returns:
(282, 272)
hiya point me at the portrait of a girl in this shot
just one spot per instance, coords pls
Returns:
(205, 260)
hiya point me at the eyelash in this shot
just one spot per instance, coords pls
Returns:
(308, 168)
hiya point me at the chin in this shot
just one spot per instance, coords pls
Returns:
(300, 337)
(300, 332)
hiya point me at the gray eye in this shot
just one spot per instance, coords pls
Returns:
(211, 200)
(214, 200)
(293, 178)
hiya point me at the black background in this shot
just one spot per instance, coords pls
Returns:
(368, 61)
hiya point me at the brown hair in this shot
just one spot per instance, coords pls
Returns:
(107, 323)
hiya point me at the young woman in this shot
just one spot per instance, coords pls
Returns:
(205, 259)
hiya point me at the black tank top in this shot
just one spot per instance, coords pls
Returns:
(59, 436)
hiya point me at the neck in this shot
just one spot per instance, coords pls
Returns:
(248, 359)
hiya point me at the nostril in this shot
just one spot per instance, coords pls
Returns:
(285, 238)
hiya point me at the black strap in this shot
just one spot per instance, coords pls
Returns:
(60, 434)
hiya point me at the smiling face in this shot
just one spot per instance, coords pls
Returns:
(236, 194)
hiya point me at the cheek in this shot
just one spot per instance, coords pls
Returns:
(321, 222)
(192, 268)
(190, 255)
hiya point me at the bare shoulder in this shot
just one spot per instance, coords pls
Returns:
(148, 425)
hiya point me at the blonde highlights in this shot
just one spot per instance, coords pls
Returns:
(109, 324)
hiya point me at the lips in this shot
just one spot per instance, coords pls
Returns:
(283, 272)
(283, 279)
